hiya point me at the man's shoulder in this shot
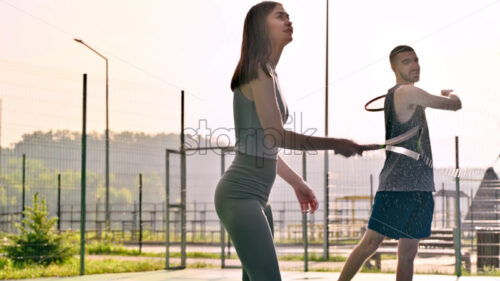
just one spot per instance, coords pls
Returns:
(404, 88)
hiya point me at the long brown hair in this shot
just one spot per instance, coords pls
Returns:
(256, 45)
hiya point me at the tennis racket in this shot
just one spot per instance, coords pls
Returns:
(391, 144)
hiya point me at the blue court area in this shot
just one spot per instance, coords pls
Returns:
(235, 274)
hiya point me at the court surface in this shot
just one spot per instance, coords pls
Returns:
(235, 274)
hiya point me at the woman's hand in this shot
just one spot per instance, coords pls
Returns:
(306, 197)
(347, 148)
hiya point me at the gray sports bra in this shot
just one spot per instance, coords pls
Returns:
(249, 133)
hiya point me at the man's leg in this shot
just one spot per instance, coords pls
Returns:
(418, 227)
(407, 250)
(368, 245)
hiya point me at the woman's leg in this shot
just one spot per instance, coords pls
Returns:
(251, 232)
(269, 216)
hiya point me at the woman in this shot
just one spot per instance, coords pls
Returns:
(259, 114)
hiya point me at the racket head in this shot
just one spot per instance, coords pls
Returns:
(375, 104)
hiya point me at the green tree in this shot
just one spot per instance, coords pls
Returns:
(38, 241)
(117, 195)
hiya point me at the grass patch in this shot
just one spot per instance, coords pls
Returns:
(388, 257)
(202, 265)
(199, 255)
(107, 248)
(312, 257)
(323, 269)
(370, 269)
(72, 268)
(488, 271)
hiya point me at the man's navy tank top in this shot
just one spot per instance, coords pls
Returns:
(400, 172)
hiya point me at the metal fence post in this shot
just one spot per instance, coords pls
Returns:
(183, 188)
(326, 227)
(23, 182)
(59, 202)
(140, 213)
(472, 220)
(222, 230)
(167, 209)
(458, 242)
(304, 217)
(443, 213)
(83, 174)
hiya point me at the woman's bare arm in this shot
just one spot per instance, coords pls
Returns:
(264, 96)
(303, 191)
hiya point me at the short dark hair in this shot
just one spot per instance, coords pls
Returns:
(399, 49)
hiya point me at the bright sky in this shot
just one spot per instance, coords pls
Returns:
(156, 48)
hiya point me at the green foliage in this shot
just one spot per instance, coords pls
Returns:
(72, 268)
(486, 271)
(117, 195)
(5, 198)
(36, 173)
(106, 247)
(39, 175)
(314, 257)
(366, 269)
(38, 242)
(4, 262)
(62, 154)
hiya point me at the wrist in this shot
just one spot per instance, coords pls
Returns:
(297, 182)
(336, 143)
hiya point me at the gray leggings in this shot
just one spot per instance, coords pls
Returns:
(240, 202)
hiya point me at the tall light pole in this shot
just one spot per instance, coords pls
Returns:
(108, 213)
(326, 195)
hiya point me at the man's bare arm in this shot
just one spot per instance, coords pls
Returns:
(411, 95)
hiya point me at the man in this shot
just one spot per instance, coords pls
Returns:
(403, 205)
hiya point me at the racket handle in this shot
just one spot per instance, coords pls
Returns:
(367, 147)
